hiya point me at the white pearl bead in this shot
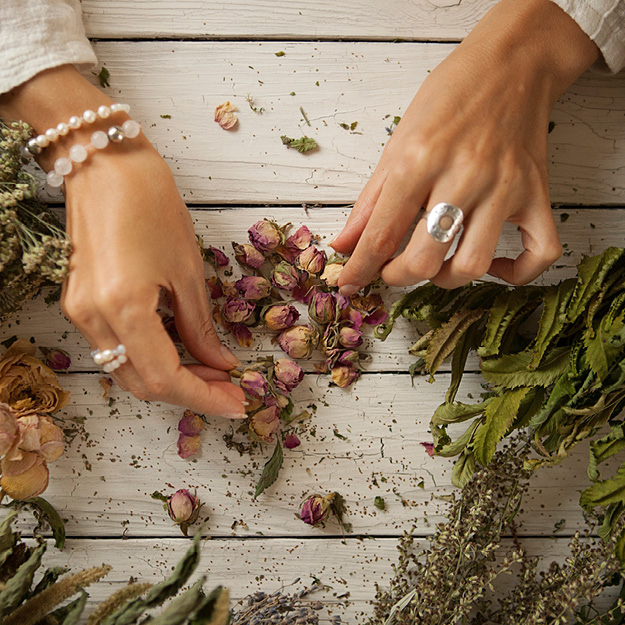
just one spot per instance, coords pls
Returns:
(52, 134)
(62, 129)
(42, 141)
(131, 128)
(120, 349)
(63, 166)
(89, 116)
(108, 367)
(125, 108)
(121, 359)
(107, 355)
(53, 179)
(104, 112)
(99, 139)
(78, 153)
(97, 358)
(74, 122)
(116, 108)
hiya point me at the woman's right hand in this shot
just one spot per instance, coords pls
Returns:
(132, 236)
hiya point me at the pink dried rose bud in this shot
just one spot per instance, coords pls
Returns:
(285, 276)
(183, 508)
(350, 337)
(253, 287)
(331, 274)
(315, 509)
(287, 374)
(298, 341)
(8, 428)
(242, 334)
(189, 439)
(322, 307)
(311, 260)
(292, 441)
(281, 317)
(237, 310)
(254, 383)
(349, 357)
(214, 285)
(215, 257)
(248, 256)
(344, 375)
(225, 117)
(265, 423)
(57, 359)
(266, 235)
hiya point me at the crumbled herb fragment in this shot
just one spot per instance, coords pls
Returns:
(379, 503)
(302, 145)
(281, 53)
(103, 77)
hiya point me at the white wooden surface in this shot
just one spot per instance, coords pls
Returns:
(126, 450)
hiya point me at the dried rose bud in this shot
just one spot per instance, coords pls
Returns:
(349, 357)
(265, 423)
(229, 288)
(429, 448)
(189, 439)
(285, 276)
(254, 383)
(215, 257)
(253, 287)
(266, 235)
(225, 117)
(311, 260)
(344, 375)
(214, 285)
(183, 508)
(281, 317)
(298, 341)
(350, 337)
(322, 307)
(281, 401)
(292, 441)
(331, 274)
(57, 359)
(237, 310)
(287, 374)
(353, 317)
(242, 334)
(314, 509)
(248, 256)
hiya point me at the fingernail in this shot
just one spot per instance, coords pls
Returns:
(245, 403)
(333, 241)
(229, 357)
(236, 415)
(349, 289)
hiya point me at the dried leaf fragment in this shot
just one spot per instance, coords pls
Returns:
(225, 117)
(304, 144)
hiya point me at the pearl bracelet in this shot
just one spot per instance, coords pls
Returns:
(36, 145)
(79, 153)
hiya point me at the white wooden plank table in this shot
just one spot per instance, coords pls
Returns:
(342, 61)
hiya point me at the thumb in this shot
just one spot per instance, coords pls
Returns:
(195, 326)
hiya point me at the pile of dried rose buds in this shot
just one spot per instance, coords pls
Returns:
(282, 272)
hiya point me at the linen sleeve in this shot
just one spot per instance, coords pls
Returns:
(38, 35)
(604, 22)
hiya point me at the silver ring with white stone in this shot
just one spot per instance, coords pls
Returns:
(443, 222)
(110, 359)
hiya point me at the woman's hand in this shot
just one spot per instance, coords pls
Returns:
(475, 135)
(132, 236)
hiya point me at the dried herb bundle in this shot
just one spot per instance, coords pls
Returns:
(565, 378)
(34, 250)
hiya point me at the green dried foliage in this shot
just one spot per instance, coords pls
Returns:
(34, 249)
(452, 581)
(564, 377)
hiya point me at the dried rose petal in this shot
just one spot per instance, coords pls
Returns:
(188, 445)
(298, 341)
(253, 287)
(292, 441)
(225, 117)
(237, 310)
(248, 256)
(8, 428)
(214, 285)
(266, 235)
(27, 484)
(349, 357)
(106, 384)
(299, 240)
(353, 317)
(429, 448)
(331, 274)
(311, 260)
(57, 359)
(344, 375)
(287, 374)
(378, 316)
(216, 257)
(281, 316)
(265, 423)
(254, 383)
(242, 334)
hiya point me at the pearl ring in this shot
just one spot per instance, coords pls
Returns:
(111, 359)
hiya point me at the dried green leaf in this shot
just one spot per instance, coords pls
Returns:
(7, 536)
(271, 470)
(208, 611)
(498, 418)
(73, 614)
(302, 145)
(606, 492)
(103, 77)
(604, 448)
(179, 610)
(606, 343)
(463, 470)
(465, 344)
(379, 503)
(456, 447)
(457, 413)
(17, 587)
(52, 517)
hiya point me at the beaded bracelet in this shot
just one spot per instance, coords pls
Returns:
(36, 145)
(99, 140)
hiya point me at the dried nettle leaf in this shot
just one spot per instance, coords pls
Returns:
(271, 470)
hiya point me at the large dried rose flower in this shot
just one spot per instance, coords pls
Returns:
(26, 384)
(8, 428)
